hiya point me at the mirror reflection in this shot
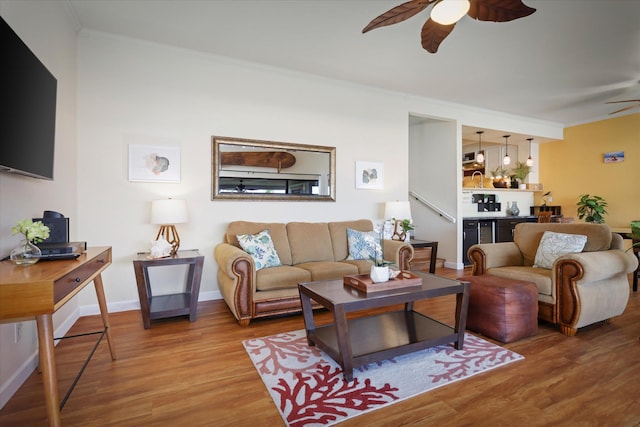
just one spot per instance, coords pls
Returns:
(266, 170)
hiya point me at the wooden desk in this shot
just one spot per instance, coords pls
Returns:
(39, 291)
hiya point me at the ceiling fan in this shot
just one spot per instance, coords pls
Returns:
(636, 104)
(445, 14)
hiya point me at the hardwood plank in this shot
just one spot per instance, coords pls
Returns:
(198, 374)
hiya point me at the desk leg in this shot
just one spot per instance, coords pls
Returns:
(44, 323)
(434, 258)
(102, 302)
(344, 343)
(462, 307)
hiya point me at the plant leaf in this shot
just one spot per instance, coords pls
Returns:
(398, 14)
(498, 10)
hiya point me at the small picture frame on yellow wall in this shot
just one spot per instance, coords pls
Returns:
(614, 157)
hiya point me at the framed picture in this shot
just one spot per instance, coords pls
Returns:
(154, 163)
(370, 175)
(614, 157)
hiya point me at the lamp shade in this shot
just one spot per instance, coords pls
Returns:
(169, 211)
(397, 210)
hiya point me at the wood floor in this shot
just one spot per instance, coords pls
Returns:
(197, 374)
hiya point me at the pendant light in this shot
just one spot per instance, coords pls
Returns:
(506, 159)
(480, 156)
(529, 160)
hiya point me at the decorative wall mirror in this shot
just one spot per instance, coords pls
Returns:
(266, 170)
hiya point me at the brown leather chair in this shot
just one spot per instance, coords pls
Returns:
(544, 216)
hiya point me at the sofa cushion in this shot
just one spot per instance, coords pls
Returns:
(328, 270)
(554, 245)
(364, 245)
(277, 231)
(260, 247)
(309, 241)
(527, 236)
(282, 277)
(541, 277)
(363, 265)
(338, 232)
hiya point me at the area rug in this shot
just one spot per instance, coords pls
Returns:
(308, 388)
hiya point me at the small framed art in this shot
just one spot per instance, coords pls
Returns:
(614, 157)
(154, 163)
(370, 175)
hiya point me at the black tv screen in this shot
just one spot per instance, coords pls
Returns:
(28, 114)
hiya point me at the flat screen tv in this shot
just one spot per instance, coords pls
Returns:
(28, 109)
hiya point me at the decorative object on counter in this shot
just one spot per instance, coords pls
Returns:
(396, 210)
(34, 232)
(515, 210)
(546, 197)
(592, 208)
(167, 213)
(507, 160)
(480, 156)
(521, 172)
(529, 159)
(499, 174)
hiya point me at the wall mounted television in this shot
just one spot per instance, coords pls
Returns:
(28, 109)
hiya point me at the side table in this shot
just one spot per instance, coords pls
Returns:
(424, 253)
(179, 304)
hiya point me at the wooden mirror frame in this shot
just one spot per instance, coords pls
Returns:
(272, 164)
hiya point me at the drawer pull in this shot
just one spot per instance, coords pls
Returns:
(101, 261)
(77, 280)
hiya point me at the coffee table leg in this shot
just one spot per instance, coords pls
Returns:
(307, 312)
(462, 305)
(344, 343)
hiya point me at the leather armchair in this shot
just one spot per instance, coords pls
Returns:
(581, 288)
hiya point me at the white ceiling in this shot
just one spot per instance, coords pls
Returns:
(560, 64)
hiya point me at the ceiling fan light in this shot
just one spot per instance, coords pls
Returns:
(448, 12)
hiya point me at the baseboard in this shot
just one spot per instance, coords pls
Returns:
(454, 265)
(114, 307)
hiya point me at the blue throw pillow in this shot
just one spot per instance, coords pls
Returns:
(363, 245)
(260, 247)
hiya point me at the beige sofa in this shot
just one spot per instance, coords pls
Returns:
(581, 288)
(308, 252)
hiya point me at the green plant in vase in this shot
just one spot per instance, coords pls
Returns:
(521, 171)
(34, 232)
(592, 208)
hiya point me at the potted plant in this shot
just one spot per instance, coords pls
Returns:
(591, 208)
(521, 172)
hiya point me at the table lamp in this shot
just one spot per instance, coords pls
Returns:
(398, 211)
(168, 212)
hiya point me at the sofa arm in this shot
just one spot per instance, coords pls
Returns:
(600, 265)
(484, 256)
(400, 252)
(236, 280)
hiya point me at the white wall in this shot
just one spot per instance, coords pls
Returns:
(47, 30)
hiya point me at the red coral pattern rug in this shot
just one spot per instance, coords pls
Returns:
(308, 388)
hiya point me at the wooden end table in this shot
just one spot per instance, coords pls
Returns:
(360, 341)
(425, 253)
(179, 304)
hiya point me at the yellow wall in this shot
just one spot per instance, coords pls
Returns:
(575, 166)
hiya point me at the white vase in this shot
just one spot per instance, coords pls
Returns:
(379, 274)
(25, 254)
(522, 186)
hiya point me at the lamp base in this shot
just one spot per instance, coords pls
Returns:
(170, 234)
(398, 235)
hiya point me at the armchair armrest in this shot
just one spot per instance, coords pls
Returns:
(236, 280)
(491, 255)
(400, 252)
(600, 265)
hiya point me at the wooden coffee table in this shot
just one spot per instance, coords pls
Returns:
(359, 341)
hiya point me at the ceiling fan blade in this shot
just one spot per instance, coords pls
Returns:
(626, 100)
(398, 14)
(499, 10)
(433, 34)
(625, 109)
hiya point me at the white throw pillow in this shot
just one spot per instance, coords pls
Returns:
(553, 245)
(260, 247)
(363, 245)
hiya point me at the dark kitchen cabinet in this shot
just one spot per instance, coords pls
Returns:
(469, 237)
